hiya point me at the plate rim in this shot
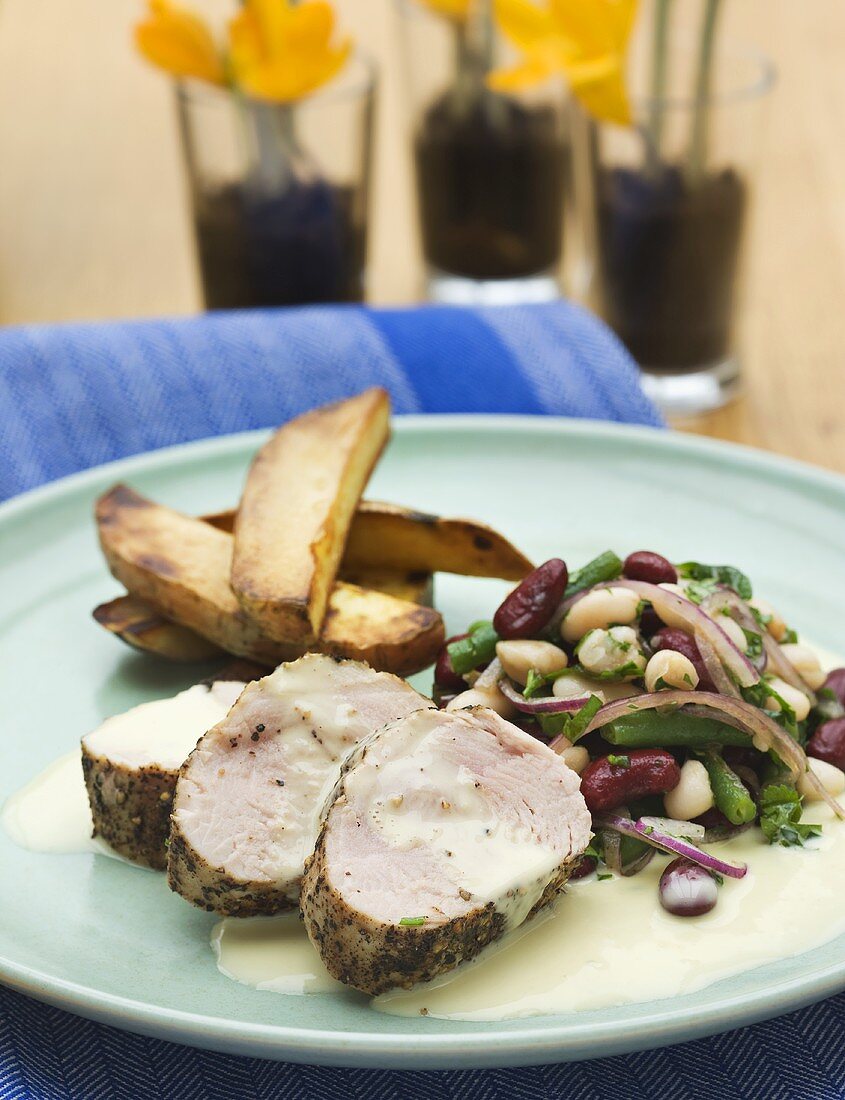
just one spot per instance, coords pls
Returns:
(524, 1042)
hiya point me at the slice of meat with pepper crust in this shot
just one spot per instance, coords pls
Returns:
(445, 830)
(131, 763)
(248, 799)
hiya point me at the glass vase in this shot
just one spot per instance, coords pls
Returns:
(490, 169)
(665, 206)
(279, 191)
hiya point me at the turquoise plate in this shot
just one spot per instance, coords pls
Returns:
(109, 941)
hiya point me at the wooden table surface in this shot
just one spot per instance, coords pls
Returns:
(94, 221)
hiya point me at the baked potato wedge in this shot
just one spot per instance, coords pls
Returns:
(141, 626)
(181, 566)
(301, 493)
(137, 623)
(391, 540)
(413, 587)
(388, 536)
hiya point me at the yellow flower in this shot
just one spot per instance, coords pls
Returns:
(585, 40)
(175, 39)
(282, 51)
(454, 10)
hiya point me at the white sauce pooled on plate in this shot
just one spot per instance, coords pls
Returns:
(51, 813)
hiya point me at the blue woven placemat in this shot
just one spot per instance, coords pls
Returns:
(72, 396)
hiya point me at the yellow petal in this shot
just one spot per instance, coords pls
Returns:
(454, 10)
(284, 83)
(177, 40)
(523, 23)
(312, 26)
(605, 99)
(535, 69)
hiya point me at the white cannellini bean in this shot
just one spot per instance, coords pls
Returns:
(608, 650)
(775, 626)
(693, 794)
(597, 610)
(571, 684)
(806, 664)
(830, 777)
(670, 669)
(733, 630)
(489, 697)
(793, 698)
(575, 757)
(519, 657)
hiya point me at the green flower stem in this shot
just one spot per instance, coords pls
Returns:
(659, 71)
(697, 156)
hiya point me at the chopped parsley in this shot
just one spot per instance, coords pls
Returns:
(413, 922)
(754, 644)
(699, 591)
(536, 681)
(790, 637)
(603, 877)
(780, 816)
(718, 574)
(618, 761)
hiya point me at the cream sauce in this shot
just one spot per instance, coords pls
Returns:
(163, 731)
(271, 953)
(51, 813)
(605, 943)
(420, 798)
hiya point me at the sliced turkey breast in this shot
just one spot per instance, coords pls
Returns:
(131, 763)
(445, 830)
(248, 800)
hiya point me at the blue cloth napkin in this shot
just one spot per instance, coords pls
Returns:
(76, 395)
(73, 396)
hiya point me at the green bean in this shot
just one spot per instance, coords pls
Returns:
(729, 792)
(650, 730)
(476, 649)
(606, 567)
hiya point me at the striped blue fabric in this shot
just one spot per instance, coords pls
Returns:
(73, 396)
(76, 395)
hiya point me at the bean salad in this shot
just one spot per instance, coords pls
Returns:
(689, 708)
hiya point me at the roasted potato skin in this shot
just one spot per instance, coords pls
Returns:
(180, 566)
(137, 623)
(388, 536)
(415, 587)
(388, 634)
(391, 540)
(301, 494)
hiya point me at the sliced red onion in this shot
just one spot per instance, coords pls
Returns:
(674, 844)
(491, 676)
(686, 830)
(725, 599)
(680, 612)
(545, 705)
(784, 668)
(715, 669)
(764, 731)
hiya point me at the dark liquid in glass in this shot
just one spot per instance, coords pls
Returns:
(490, 177)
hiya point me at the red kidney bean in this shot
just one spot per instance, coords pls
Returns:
(606, 786)
(687, 890)
(828, 743)
(444, 675)
(645, 565)
(650, 622)
(585, 866)
(525, 612)
(671, 638)
(835, 682)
